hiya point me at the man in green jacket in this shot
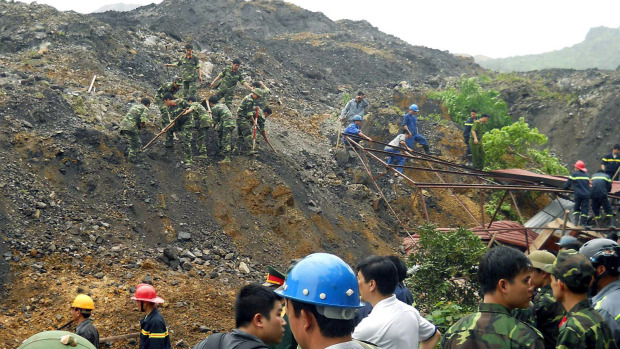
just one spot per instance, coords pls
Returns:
(475, 141)
(247, 118)
(132, 123)
(224, 124)
(228, 79)
(190, 68)
(202, 122)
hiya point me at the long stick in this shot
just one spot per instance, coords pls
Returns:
(118, 338)
(92, 83)
(65, 325)
(164, 130)
(615, 174)
(267, 140)
(254, 121)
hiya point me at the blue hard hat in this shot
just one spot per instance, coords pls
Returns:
(356, 118)
(567, 240)
(322, 279)
(414, 107)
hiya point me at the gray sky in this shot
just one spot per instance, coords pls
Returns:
(495, 28)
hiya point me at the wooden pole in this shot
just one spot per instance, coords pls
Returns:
(118, 338)
(92, 83)
(499, 206)
(564, 223)
(481, 207)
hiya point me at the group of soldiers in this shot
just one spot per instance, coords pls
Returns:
(183, 115)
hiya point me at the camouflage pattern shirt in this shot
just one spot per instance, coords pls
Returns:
(135, 116)
(247, 107)
(174, 110)
(262, 101)
(547, 315)
(222, 116)
(166, 87)
(189, 68)
(200, 115)
(492, 327)
(229, 79)
(584, 328)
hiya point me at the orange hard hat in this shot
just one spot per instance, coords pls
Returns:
(146, 293)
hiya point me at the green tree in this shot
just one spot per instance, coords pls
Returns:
(469, 95)
(446, 273)
(514, 146)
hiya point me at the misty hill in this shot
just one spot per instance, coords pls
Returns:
(600, 49)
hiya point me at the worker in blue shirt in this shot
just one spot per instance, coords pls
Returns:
(581, 186)
(410, 126)
(354, 129)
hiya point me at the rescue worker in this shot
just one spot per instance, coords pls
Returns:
(601, 186)
(582, 327)
(322, 293)
(191, 71)
(475, 142)
(568, 242)
(229, 79)
(611, 162)
(356, 106)
(247, 119)
(153, 330)
(604, 254)
(398, 141)
(580, 182)
(182, 127)
(202, 122)
(169, 87)
(224, 124)
(354, 129)
(467, 134)
(504, 274)
(131, 125)
(410, 126)
(81, 309)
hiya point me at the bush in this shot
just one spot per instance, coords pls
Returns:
(447, 269)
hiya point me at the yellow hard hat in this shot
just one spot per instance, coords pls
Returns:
(83, 301)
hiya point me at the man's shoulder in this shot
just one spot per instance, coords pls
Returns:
(487, 327)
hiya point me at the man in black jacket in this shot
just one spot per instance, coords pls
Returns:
(601, 186)
(467, 133)
(611, 162)
(581, 186)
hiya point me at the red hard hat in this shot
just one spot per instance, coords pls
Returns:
(581, 165)
(146, 293)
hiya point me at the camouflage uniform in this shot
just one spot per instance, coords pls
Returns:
(159, 97)
(224, 125)
(227, 83)
(582, 327)
(202, 122)
(130, 126)
(245, 114)
(189, 67)
(491, 327)
(183, 127)
(262, 103)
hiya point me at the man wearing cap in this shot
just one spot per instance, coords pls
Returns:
(322, 294)
(153, 330)
(224, 124)
(547, 313)
(275, 279)
(354, 128)
(131, 125)
(392, 324)
(580, 181)
(582, 327)
(568, 242)
(190, 67)
(258, 321)
(168, 87)
(604, 254)
(247, 118)
(410, 127)
(475, 142)
(504, 274)
(467, 133)
(229, 78)
(81, 309)
(356, 106)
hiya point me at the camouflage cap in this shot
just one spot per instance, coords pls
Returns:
(541, 259)
(258, 92)
(572, 268)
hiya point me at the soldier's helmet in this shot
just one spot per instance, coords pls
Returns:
(258, 92)
(603, 252)
(572, 268)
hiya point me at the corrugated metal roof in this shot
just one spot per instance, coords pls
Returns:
(554, 210)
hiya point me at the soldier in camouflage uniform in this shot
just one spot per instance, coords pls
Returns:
(190, 67)
(229, 79)
(132, 123)
(248, 114)
(504, 274)
(224, 125)
(262, 104)
(183, 126)
(168, 87)
(202, 122)
(582, 327)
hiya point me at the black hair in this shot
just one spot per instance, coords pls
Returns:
(213, 99)
(189, 46)
(501, 262)
(485, 116)
(236, 61)
(617, 146)
(267, 111)
(256, 84)
(473, 111)
(330, 328)
(145, 101)
(192, 99)
(168, 96)
(382, 270)
(254, 299)
(582, 287)
(85, 312)
(401, 268)
(360, 93)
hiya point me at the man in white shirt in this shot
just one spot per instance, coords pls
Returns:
(392, 324)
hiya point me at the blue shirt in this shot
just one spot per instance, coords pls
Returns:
(411, 121)
(352, 129)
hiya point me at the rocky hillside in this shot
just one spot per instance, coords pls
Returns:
(600, 49)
